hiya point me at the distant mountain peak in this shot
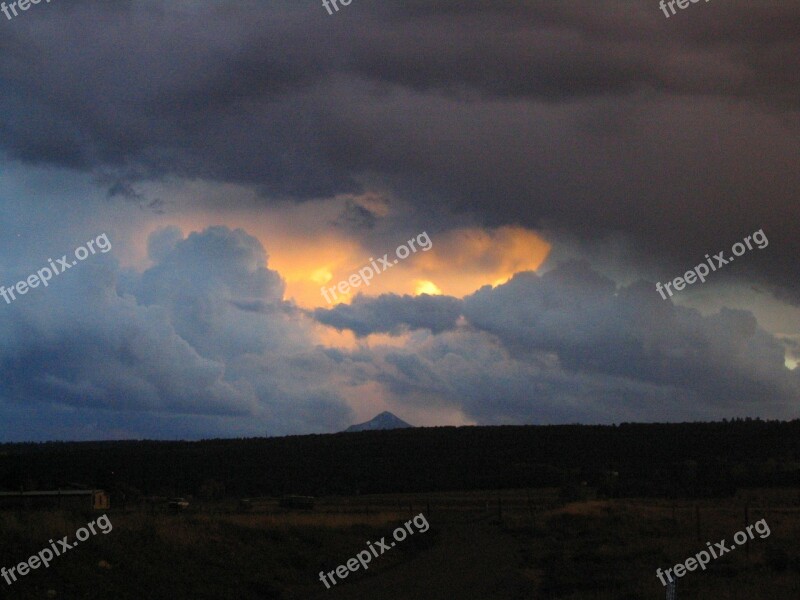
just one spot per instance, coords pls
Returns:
(385, 420)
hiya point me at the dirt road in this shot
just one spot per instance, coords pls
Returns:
(470, 560)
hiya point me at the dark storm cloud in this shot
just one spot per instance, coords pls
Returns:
(593, 326)
(682, 134)
(390, 313)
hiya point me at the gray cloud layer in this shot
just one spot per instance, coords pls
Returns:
(571, 344)
(391, 313)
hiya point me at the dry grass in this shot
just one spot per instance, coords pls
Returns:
(598, 549)
(286, 521)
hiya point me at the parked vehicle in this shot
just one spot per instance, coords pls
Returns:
(177, 504)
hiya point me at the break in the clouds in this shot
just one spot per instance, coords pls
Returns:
(241, 154)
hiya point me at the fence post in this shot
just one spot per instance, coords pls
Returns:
(499, 508)
(531, 512)
(697, 518)
(746, 523)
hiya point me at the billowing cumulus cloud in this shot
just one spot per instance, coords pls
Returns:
(180, 338)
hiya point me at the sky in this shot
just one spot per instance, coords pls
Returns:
(551, 161)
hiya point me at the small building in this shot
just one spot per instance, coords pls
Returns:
(68, 499)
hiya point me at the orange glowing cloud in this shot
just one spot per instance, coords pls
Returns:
(309, 252)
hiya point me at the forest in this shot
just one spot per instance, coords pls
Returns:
(689, 460)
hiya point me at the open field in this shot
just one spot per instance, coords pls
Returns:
(512, 544)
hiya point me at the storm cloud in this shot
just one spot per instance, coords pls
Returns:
(681, 134)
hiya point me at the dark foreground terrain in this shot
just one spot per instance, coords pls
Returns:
(512, 545)
(514, 512)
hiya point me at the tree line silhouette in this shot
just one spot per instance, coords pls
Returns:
(658, 460)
